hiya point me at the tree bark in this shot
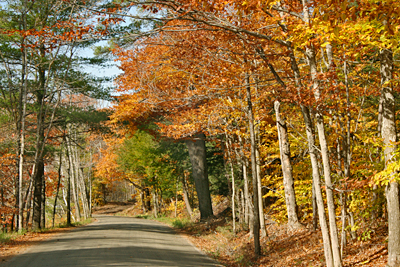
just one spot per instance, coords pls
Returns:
(288, 182)
(37, 196)
(233, 191)
(21, 130)
(186, 196)
(72, 173)
(388, 133)
(197, 153)
(260, 196)
(247, 198)
(43, 213)
(40, 140)
(81, 185)
(256, 214)
(58, 188)
(325, 161)
(69, 196)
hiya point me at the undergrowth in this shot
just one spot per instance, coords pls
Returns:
(6, 237)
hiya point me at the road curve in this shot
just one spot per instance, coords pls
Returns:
(114, 241)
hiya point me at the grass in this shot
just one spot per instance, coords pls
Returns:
(6, 237)
(181, 223)
(171, 221)
(65, 225)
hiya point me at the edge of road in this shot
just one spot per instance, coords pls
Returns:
(189, 241)
(5, 260)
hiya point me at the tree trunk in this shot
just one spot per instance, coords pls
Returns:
(388, 133)
(315, 210)
(260, 196)
(58, 188)
(40, 145)
(37, 196)
(232, 183)
(69, 196)
(147, 198)
(186, 196)
(21, 128)
(81, 186)
(72, 173)
(28, 200)
(258, 162)
(155, 203)
(288, 182)
(43, 213)
(256, 216)
(197, 153)
(325, 161)
(247, 198)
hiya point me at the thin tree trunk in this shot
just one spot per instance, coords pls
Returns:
(260, 196)
(243, 206)
(258, 162)
(28, 201)
(256, 216)
(69, 196)
(22, 105)
(247, 199)
(326, 163)
(344, 216)
(233, 185)
(288, 182)
(317, 187)
(43, 213)
(58, 188)
(389, 139)
(81, 186)
(72, 173)
(314, 209)
(186, 196)
(155, 203)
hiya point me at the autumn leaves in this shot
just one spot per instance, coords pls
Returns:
(319, 58)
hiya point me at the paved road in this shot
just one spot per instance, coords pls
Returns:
(114, 241)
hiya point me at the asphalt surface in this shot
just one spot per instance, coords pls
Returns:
(114, 241)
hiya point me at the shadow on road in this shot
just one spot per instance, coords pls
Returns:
(114, 241)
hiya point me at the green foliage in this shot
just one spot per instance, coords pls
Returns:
(365, 236)
(145, 157)
(181, 223)
(6, 237)
(216, 170)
